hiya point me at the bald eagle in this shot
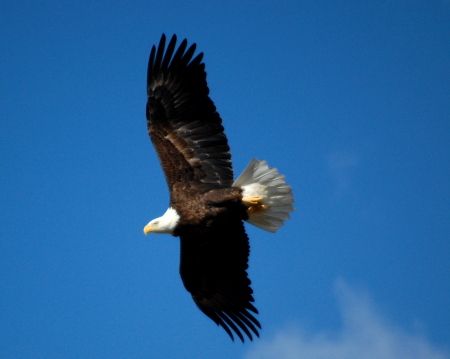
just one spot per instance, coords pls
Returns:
(207, 207)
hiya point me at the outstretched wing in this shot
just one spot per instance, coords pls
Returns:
(183, 123)
(213, 268)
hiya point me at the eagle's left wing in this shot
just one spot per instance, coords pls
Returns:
(182, 120)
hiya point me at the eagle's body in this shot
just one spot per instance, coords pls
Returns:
(207, 208)
(213, 209)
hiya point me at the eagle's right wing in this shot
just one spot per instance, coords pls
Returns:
(213, 268)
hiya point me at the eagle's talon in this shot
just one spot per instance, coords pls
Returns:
(251, 201)
(256, 208)
(253, 204)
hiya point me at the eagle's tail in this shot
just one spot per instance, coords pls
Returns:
(258, 179)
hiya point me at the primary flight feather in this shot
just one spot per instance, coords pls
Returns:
(207, 208)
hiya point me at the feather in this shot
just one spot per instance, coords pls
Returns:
(183, 124)
(213, 269)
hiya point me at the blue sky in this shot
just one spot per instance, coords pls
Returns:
(350, 100)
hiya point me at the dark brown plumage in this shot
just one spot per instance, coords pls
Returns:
(187, 133)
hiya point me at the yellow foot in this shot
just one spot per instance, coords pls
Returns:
(251, 201)
(256, 208)
(254, 204)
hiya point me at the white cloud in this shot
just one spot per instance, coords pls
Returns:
(364, 335)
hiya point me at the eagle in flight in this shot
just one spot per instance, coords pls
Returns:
(207, 206)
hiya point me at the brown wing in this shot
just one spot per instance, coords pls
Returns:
(183, 123)
(213, 269)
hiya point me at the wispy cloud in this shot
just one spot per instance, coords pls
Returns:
(365, 334)
(340, 166)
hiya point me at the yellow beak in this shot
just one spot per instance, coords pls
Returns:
(148, 228)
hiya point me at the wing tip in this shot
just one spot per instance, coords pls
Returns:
(162, 57)
(235, 322)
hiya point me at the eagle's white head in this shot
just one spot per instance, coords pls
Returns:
(164, 224)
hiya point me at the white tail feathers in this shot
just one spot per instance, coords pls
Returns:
(258, 179)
